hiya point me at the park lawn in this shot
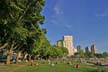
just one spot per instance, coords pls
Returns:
(46, 68)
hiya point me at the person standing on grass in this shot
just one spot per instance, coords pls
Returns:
(77, 66)
(14, 57)
(32, 61)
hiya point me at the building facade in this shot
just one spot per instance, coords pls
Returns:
(79, 48)
(75, 50)
(60, 43)
(68, 43)
(87, 50)
(93, 49)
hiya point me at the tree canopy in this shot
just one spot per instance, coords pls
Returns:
(20, 29)
(20, 24)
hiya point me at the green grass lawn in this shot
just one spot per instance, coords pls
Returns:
(24, 67)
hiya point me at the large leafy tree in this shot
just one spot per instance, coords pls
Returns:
(19, 24)
(20, 29)
(55, 51)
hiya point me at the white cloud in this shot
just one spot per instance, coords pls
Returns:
(68, 26)
(57, 8)
(54, 22)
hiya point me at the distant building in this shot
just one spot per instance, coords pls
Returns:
(93, 49)
(60, 43)
(87, 50)
(79, 48)
(68, 43)
(75, 50)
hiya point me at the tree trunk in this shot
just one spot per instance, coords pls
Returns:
(18, 56)
(30, 57)
(3, 46)
(8, 60)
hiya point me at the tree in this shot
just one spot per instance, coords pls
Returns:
(105, 54)
(55, 51)
(101, 55)
(19, 25)
(80, 54)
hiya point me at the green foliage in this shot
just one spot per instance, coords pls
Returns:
(89, 55)
(105, 54)
(98, 55)
(20, 28)
(55, 51)
(80, 54)
(19, 25)
(101, 55)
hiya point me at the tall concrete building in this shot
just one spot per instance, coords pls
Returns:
(87, 50)
(93, 49)
(79, 48)
(68, 43)
(75, 50)
(60, 43)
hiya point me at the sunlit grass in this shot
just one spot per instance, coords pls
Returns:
(45, 67)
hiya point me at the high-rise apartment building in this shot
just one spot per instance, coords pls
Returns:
(93, 49)
(75, 50)
(87, 50)
(79, 48)
(68, 43)
(60, 43)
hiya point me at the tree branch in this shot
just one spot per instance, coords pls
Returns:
(3, 46)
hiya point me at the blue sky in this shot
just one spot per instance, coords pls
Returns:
(85, 20)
